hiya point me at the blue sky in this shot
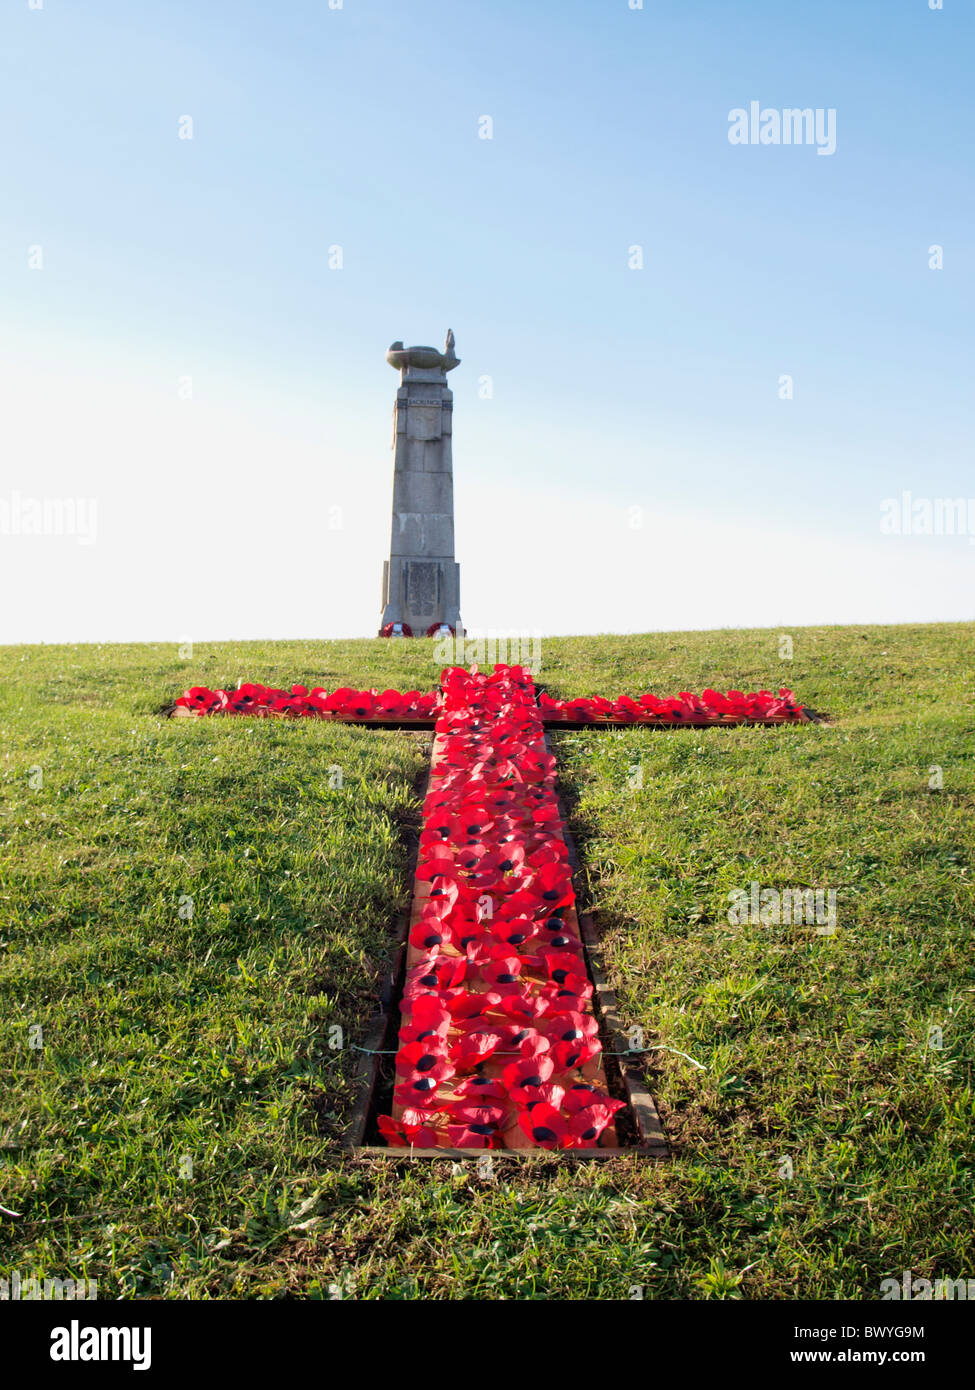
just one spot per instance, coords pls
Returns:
(613, 388)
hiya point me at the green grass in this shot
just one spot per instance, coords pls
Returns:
(170, 1037)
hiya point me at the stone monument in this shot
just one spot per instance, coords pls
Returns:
(421, 579)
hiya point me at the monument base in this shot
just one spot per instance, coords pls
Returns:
(421, 594)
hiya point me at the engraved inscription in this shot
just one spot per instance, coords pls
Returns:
(423, 588)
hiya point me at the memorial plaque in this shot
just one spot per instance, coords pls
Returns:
(423, 587)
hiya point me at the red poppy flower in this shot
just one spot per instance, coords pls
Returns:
(338, 698)
(472, 1049)
(556, 936)
(419, 1092)
(579, 1095)
(514, 933)
(424, 1060)
(587, 1125)
(401, 1134)
(436, 973)
(569, 1055)
(522, 904)
(544, 1126)
(522, 1078)
(479, 1090)
(438, 865)
(508, 857)
(524, 1007)
(569, 997)
(470, 939)
(533, 1044)
(472, 1136)
(553, 885)
(551, 1093)
(389, 703)
(470, 827)
(502, 975)
(469, 856)
(560, 965)
(429, 933)
(199, 698)
(425, 1023)
(571, 1027)
(513, 1035)
(246, 699)
(444, 893)
(360, 704)
(436, 829)
(472, 1005)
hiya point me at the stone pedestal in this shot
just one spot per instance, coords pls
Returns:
(421, 579)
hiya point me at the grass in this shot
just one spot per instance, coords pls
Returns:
(188, 909)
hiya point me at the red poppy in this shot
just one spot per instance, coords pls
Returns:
(587, 1125)
(478, 1090)
(470, 826)
(579, 1095)
(472, 1049)
(544, 1126)
(533, 1044)
(572, 1026)
(246, 699)
(472, 1005)
(423, 1061)
(436, 973)
(426, 1023)
(551, 1093)
(419, 1092)
(524, 1007)
(472, 1136)
(402, 1134)
(502, 975)
(522, 1078)
(553, 885)
(438, 865)
(199, 698)
(428, 933)
(389, 703)
(516, 932)
(569, 997)
(469, 856)
(471, 941)
(556, 936)
(568, 1055)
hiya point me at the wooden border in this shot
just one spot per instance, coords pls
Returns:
(653, 1141)
(375, 1040)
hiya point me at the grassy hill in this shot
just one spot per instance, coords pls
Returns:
(186, 907)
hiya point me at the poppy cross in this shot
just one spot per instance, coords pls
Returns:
(498, 1044)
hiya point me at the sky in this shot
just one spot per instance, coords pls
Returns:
(696, 375)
